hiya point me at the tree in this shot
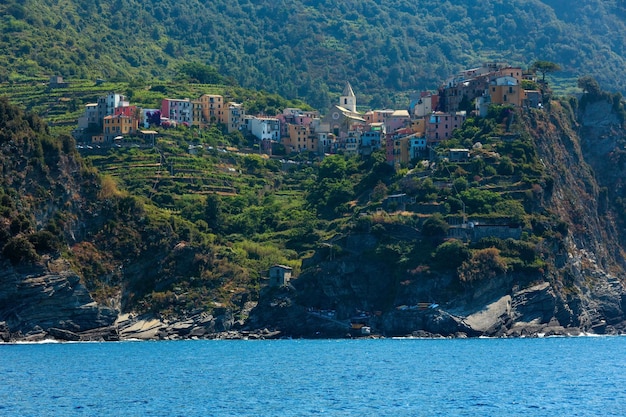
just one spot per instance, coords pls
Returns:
(544, 67)
(213, 212)
(435, 225)
(451, 254)
(589, 85)
(483, 264)
(18, 250)
(333, 166)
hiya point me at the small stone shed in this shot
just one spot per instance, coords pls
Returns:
(280, 275)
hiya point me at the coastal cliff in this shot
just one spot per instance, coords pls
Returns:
(580, 290)
(82, 260)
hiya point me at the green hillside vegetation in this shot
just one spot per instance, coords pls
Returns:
(174, 232)
(305, 49)
(247, 212)
(194, 223)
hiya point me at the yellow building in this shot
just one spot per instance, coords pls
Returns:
(208, 109)
(235, 116)
(118, 125)
(401, 150)
(506, 90)
(300, 139)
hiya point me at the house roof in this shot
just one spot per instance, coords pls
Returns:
(400, 113)
(350, 114)
(288, 268)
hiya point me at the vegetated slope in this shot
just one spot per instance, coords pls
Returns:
(186, 240)
(563, 273)
(308, 49)
(70, 237)
(47, 195)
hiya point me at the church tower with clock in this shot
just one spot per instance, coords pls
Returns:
(342, 116)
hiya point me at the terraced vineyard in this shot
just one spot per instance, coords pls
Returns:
(155, 173)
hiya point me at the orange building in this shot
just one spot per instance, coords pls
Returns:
(118, 125)
(300, 139)
(506, 90)
(208, 109)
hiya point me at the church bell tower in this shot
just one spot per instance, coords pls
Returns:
(348, 99)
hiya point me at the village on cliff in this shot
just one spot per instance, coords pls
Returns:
(406, 134)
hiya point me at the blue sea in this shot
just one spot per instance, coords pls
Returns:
(583, 376)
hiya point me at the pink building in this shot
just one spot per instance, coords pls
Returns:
(176, 110)
(439, 126)
(397, 120)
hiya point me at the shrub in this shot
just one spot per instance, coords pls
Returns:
(44, 241)
(18, 250)
(435, 225)
(484, 263)
(450, 254)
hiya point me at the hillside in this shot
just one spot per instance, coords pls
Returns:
(165, 242)
(308, 49)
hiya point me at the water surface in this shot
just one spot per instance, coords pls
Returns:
(473, 377)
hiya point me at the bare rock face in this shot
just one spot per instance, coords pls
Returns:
(56, 303)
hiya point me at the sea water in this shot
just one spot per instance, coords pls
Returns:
(583, 376)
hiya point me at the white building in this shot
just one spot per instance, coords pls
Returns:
(264, 128)
(107, 105)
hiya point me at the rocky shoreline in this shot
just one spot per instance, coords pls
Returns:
(110, 335)
(56, 306)
(201, 327)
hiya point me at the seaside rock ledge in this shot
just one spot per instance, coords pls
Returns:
(38, 304)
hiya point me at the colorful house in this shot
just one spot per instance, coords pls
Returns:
(377, 116)
(506, 90)
(417, 146)
(423, 104)
(118, 125)
(107, 104)
(397, 120)
(126, 110)
(178, 111)
(208, 109)
(235, 117)
(440, 125)
(264, 128)
(90, 118)
(300, 139)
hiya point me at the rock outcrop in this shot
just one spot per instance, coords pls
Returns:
(37, 303)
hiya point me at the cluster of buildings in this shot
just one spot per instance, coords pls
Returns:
(404, 134)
